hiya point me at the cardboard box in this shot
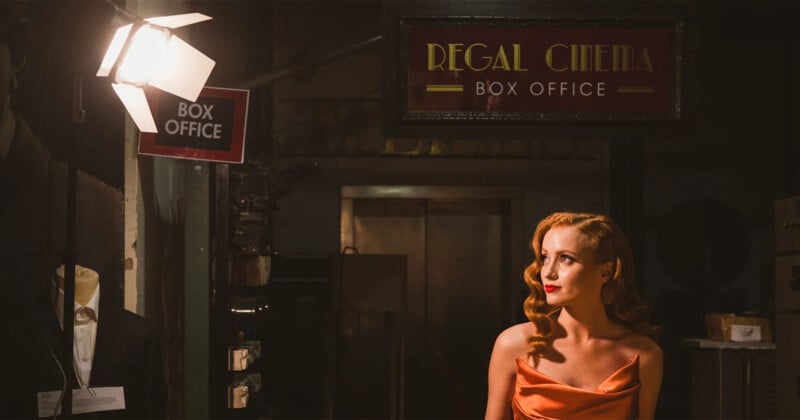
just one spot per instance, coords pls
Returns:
(729, 327)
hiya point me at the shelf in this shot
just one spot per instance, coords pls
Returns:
(705, 343)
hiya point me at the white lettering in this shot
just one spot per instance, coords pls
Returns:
(196, 111)
(567, 88)
(539, 88)
(188, 128)
(512, 88)
(480, 88)
(207, 112)
(171, 127)
(496, 88)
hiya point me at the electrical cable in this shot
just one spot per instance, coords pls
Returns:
(53, 299)
(279, 132)
(63, 379)
(123, 11)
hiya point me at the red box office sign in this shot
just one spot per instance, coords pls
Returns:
(523, 69)
(212, 128)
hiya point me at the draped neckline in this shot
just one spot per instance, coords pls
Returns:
(599, 389)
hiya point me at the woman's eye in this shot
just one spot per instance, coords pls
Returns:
(544, 258)
(566, 259)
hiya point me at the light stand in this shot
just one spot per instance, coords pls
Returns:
(70, 254)
(131, 66)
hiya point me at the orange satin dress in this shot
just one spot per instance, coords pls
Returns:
(538, 396)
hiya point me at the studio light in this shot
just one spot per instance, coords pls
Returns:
(143, 53)
(146, 53)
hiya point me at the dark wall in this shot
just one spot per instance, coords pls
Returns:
(67, 41)
(707, 196)
(56, 48)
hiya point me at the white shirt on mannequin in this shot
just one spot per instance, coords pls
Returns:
(85, 334)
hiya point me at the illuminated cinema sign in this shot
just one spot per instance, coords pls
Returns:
(212, 128)
(505, 69)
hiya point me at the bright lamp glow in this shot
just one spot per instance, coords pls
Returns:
(135, 102)
(146, 52)
(153, 56)
(113, 51)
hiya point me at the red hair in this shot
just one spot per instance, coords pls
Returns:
(609, 244)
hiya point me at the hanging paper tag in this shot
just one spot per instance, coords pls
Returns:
(745, 333)
(84, 400)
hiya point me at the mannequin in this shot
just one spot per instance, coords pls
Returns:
(87, 315)
(86, 282)
(113, 347)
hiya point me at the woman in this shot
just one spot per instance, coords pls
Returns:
(587, 351)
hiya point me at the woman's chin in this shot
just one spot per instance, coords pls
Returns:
(552, 300)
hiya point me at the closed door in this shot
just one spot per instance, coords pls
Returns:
(457, 291)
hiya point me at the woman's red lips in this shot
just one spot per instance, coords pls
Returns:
(550, 288)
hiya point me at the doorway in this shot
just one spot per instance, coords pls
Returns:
(461, 290)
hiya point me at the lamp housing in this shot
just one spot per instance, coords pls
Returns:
(147, 53)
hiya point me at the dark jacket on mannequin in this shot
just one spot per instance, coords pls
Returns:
(128, 354)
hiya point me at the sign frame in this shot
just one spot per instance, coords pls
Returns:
(401, 121)
(149, 145)
(407, 23)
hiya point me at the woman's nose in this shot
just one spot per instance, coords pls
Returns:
(550, 271)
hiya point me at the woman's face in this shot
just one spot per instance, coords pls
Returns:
(570, 273)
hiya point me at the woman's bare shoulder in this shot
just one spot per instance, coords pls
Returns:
(514, 339)
(645, 347)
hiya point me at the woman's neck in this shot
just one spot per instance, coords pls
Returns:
(584, 323)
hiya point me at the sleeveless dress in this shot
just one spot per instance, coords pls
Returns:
(538, 396)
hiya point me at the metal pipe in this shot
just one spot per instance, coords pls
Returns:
(70, 254)
(121, 11)
(290, 69)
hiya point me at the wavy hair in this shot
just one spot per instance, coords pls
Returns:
(609, 244)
